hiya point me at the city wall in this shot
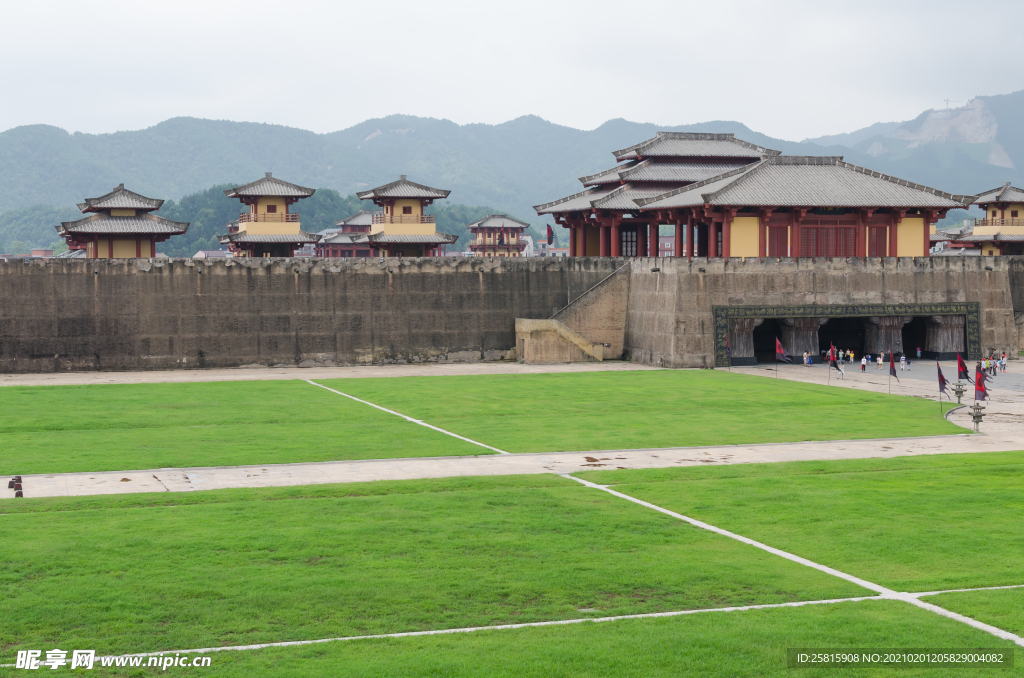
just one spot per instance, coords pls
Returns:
(132, 314)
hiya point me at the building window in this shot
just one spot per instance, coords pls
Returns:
(1013, 213)
(271, 209)
(407, 209)
(994, 214)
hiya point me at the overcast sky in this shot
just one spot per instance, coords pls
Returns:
(788, 69)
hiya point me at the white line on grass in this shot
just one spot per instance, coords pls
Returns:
(415, 421)
(983, 588)
(885, 592)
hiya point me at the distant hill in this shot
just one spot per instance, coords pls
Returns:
(510, 167)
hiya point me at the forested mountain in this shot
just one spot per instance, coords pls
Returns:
(509, 167)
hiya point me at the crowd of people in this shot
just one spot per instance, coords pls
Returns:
(989, 365)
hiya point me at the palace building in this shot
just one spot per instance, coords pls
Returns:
(1000, 232)
(729, 198)
(498, 235)
(341, 241)
(119, 225)
(403, 228)
(269, 228)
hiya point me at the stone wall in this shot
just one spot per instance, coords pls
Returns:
(599, 314)
(140, 314)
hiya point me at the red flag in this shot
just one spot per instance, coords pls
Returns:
(728, 348)
(980, 390)
(832, 362)
(551, 236)
(961, 370)
(892, 367)
(943, 384)
(780, 352)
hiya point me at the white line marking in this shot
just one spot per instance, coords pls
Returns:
(415, 421)
(501, 627)
(983, 588)
(885, 592)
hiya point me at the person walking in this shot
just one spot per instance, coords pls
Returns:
(863, 363)
(918, 352)
(879, 361)
(903, 362)
(1002, 363)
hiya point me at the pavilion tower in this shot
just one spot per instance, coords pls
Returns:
(119, 225)
(498, 235)
(402, 228)
(269, 228)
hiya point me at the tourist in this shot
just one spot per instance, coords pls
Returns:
(1002, 363)
(850, 353)
(903, 362)
(864, 363)
(879, 361)
(918, 352)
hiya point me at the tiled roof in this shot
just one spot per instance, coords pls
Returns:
(269, 186)
(998, 237)
(71, 254)
(403, 188)
(426, 239)
(498, 221)
(360, 218)
(336, 238)
(301, 236)
(959, 252)
(574, 202)
(101, 223)
(1005, 193)
(625, 197)
(809, 181)
(120, 199)
(695, 145)
(661, 172)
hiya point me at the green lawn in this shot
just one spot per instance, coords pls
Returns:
(923, 523)
(1003, 609)
(55, 429)
(156, 571)
(632, 410)
(748, 644)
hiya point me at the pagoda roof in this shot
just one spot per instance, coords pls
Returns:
(806, 181)
(575, 202)
(427, 239)
(244, 237)
(1005, 193)
(694, 145)
(360, 218)
(660, 172)
(103, 223)
(498, 221)
(120, 199)
(271, 187)
(403, 188)
(338, 238)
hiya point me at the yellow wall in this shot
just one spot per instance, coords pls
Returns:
(124, 248)
(417, 207)
(910, 237)
(594, 242)
(404, 229)
(1005, 214)
(270, 227)
(122, 213)
(744, 240)
(261, 205)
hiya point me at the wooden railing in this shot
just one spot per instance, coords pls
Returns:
(999, 222)
(247, 217)
(403, 218)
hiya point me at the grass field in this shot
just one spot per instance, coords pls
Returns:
(1003, 609)
(631, 410)
(923, 523)
(153, 571)
(61, 429)
(717, 645)
(51, 429)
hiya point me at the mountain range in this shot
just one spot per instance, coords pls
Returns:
(45, 171)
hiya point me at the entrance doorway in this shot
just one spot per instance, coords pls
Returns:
(846, 334)
(627, 241)
(764, 340)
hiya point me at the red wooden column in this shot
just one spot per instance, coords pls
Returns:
(712, 240)
(641, 240)
(762, 233)
(727, 234)
(572, 241)
(653, 241)
(927, 217)
(616, 237)
(894, 221)
(581, 246)
(605, 250)
(861, 249)
(794, 232)
(691, 236)
(677, 249)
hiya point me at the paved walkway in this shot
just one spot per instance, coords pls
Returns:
(1002, 431)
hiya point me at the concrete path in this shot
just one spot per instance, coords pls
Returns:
(282, 373)
(1002, 431)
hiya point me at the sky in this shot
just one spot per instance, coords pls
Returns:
(792, 70)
